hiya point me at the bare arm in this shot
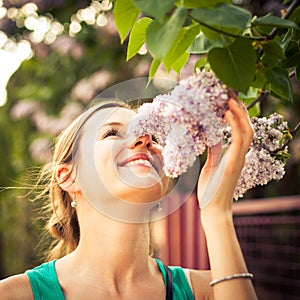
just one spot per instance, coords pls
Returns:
(215, 192)
(16, 287)
(200, 284)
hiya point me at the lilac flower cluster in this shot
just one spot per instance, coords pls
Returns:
(186, 121)
(191, 118)
(264, 161)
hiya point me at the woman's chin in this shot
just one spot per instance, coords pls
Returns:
(134, 184)
(139, 178)
(137, 195)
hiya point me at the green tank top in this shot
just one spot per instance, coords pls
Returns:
(45, 285)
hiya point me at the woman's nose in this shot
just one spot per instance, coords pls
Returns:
(141, 142)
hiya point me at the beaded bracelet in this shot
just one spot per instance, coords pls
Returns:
(234, 276)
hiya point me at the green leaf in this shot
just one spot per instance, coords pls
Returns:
(153, 67)
(180, 62)
(125, 14)
(248, 98)
(137, 36)
(203, 3)
(183, 40)
(234, 65)
(155, 8)
(273, 48)
(286, 39)
(200, 45)
(225, 17)
(292, 55)
(200, 63)
(254, 111)
(250, 95)
(217, 39)
(280, 83)
(160, 37)
(273, 21)
(273, 53)
(259, 79)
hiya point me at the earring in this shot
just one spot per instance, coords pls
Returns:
(74, 202)
(159, 207)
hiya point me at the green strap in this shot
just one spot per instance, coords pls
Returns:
(44, 282)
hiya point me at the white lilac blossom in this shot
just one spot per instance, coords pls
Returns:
(186, 121)
(260, 168)
(178, 149)
(264, 161)
(191, 118)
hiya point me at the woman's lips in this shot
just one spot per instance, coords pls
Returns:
(140, 159)
(142, 162)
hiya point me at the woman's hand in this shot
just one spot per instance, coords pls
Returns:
(219, 175)
(216, 187)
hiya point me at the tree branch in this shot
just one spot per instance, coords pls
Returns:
(261, 97)
(264, 94)
(295, 129)
(252, 38)
(293, 133)
(292, 73)
(288, 12)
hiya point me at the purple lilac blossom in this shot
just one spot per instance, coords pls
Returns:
(261, 164)
(177, 150)
(196, 108)
(191, 118)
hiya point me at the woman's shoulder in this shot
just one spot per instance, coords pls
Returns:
(16, 287)
(200, 280)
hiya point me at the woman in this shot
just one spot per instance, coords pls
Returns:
(99, 254)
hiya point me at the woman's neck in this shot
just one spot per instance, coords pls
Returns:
(111, 258)
(112, 246)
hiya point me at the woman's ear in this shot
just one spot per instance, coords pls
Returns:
(65, 179)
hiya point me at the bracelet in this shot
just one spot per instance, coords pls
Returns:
(234, 276)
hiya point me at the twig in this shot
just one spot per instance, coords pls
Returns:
(261, 97)
(252, 38)
(292, 73)
(293, 133)
(288, 12)
(295, 129)
(264, 94)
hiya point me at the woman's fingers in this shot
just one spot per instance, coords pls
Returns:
(219, 176)
(241, 129)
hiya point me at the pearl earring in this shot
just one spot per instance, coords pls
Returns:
(74, 202)
(159, 207)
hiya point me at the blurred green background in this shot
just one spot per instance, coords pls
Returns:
(71, 53)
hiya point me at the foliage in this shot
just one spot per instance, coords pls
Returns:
(244, 50)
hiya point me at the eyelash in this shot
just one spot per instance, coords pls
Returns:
(114, 132)
(155, 138)
(111, 132)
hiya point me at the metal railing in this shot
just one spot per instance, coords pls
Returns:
(269, 234)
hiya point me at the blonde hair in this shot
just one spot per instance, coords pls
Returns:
(63, 223)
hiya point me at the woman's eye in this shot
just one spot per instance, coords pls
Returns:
(111, 132)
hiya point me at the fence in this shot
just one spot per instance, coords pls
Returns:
(269, 234)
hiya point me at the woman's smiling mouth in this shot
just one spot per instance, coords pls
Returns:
(137, 162)
(141, 159)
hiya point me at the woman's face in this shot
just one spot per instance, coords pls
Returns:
(128, 168)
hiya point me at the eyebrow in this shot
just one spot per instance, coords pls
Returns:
(112, 124)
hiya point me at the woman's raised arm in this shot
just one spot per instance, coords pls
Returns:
(216, 186)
